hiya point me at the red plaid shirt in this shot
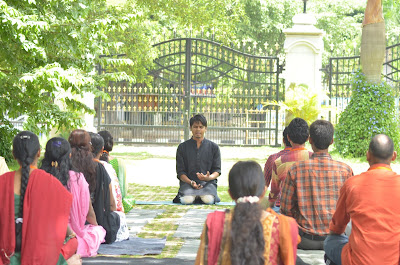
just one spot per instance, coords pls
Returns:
(280, 169)
(270, 163)
(311, 190)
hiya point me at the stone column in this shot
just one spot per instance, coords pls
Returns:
(304, 47)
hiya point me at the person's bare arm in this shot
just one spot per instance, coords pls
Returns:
(113, 205)
(70, 232)
(192, 183)
(208, 176)
(91, 216)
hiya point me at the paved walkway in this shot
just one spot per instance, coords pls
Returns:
(189, 228)
(191, 224)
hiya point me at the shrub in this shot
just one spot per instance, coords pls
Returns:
(371, 111)
(302, 102)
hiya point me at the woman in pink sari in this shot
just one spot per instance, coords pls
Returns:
(57, 161)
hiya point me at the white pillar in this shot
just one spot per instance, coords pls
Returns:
(304, 47)
(88, 125)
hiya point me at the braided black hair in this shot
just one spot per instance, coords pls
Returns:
(247, 238)
(25, 148)
(57, 160)
(108, 145)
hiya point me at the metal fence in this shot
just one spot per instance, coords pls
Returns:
(236, 91)
(339, 73)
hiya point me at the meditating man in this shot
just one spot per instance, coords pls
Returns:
(311, 188)
(297, 135)
(371, 201)
(271, 159)
(198, 165)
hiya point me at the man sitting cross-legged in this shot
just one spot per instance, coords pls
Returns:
(371, 201)
(198, 165)
(297, 136)
(311, 189)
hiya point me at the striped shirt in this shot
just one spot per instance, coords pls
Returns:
(311, 190)
(280, 169)
(270, 163)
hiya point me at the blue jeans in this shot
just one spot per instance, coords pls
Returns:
(277, 209)
(333, 246)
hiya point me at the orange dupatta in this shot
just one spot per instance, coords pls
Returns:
(288, 235)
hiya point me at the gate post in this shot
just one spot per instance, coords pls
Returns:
(187, 86)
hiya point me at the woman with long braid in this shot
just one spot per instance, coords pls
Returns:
(35, 210)
(57, 161)
(248, 234)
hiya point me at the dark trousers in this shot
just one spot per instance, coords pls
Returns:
(311, 242)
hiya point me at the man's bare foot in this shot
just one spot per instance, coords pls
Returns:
(75, 260)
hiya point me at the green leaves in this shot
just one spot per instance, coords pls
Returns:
(370, 111)
(301, 102)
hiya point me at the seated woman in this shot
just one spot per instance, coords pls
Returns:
(99, 183)
(117, 164)
(57, 162)
(35, 205)
(104, 160)
(98, 143)
(248, 234)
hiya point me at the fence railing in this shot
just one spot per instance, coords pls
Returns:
(339, 73)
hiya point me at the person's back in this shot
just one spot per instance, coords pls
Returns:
(311, 189)
(371, 201)
(34, 212)
(57, 161)
(247, 235)
(316, 191)
(373, 205)
(298, 133)
(271, 159)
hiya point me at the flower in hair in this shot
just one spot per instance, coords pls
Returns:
(54, 163)
(249, 199)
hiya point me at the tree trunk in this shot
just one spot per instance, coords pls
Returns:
(373, 48)
(373, 41)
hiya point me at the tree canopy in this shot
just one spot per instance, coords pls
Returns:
(50, 48)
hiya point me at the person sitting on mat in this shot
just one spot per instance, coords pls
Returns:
(247, 234)
(198, 165)
(34, 211)
(57, 161)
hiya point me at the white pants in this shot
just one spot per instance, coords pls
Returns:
(189, 199)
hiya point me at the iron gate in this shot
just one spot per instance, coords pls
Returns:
(338, 76)
(236, 91)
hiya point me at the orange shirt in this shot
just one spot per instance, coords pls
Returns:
(372, 201)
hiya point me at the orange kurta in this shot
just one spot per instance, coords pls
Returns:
(372, 201)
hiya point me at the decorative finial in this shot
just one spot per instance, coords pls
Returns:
(305, 6)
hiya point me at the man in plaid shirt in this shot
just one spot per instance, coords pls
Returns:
(271, 159)
(311, 189)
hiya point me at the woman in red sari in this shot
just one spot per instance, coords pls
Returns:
(247, 234)
(35, 210)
